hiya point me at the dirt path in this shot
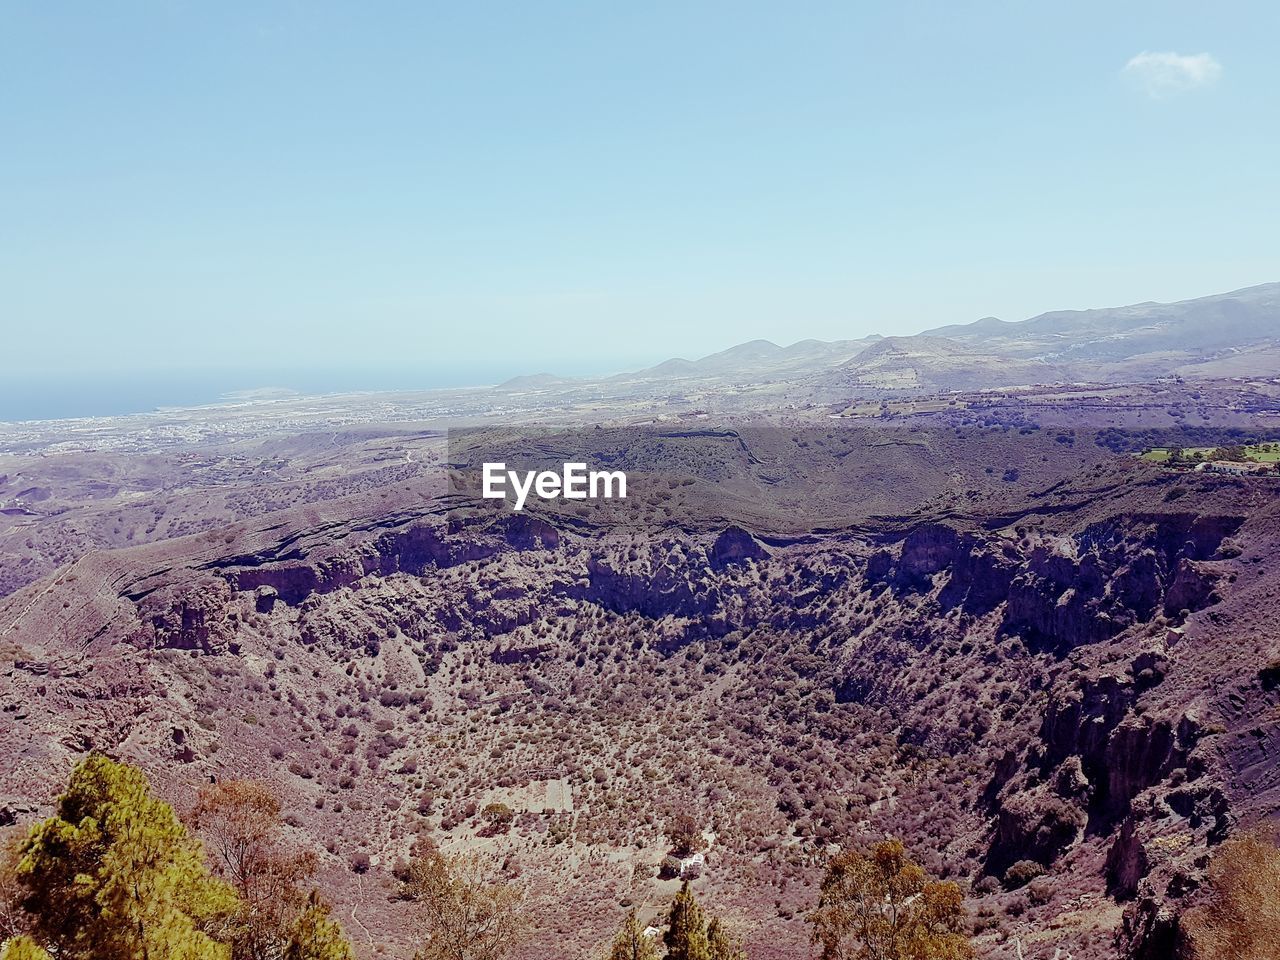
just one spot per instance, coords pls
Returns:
(355, 918)
(55, 582)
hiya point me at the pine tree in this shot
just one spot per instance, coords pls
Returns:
(115, 875)
(720, 944)
(686, 936)
(316, 936)
(23, 948)
(631, 943)
(12, 919)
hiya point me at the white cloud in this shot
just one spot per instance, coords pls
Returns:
(1165, 74)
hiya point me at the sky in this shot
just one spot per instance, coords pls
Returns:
(424, 194)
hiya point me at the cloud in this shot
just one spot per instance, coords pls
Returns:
(1166, 74)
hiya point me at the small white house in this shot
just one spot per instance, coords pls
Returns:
(691, 866)
(1234, 468)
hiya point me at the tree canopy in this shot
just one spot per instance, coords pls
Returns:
(114, 875)
(880, 905)
(23, 948)
(630, 943)
(686, 936)
(466, 913)
(315, 935)
(240, 821)
(721, 945)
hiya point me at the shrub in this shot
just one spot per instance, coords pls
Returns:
(1240, 914)
(498, 814)
(986, 885)
(1022, 873)
(1040, 890)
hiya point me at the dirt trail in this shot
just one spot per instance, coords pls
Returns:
(53, 582)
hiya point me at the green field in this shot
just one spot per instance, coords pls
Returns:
(1257, 452)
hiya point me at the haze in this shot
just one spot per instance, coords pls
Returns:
(252, 194)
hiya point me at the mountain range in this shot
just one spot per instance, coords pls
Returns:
(1234, 334)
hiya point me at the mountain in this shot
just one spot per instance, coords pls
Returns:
(978, 623)
(1229, 334)
(535, 381)
(933, 364)
(1173, 338)
(754, 361)
(1225, 335)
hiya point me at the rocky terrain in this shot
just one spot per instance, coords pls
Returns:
(1005, 643)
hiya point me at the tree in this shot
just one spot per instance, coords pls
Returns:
(720, 944)
(630, 943)
(882, 906)
(467, 914)
(114, 875)
(1021, 873)
(23, 948)
(240, 820)
(316, 936)
(670, 867)
(1239, 917)
(684, 834)
(498, 816)
(13, 919)
(686, 936)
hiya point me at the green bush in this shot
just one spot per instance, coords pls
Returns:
(1022, 873)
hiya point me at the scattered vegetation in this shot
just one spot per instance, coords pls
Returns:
(116, 875)
(1236, 453)
(1121, 440)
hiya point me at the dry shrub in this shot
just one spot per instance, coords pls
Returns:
(1240, 915)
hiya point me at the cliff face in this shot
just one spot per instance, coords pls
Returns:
(1114, 575)
(1128, 582)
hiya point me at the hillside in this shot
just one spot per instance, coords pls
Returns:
(1140, 339)
(934, 364)
(1232, 334)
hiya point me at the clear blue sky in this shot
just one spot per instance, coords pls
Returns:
(524, 186)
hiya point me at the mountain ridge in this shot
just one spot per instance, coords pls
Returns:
(1236, 333)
